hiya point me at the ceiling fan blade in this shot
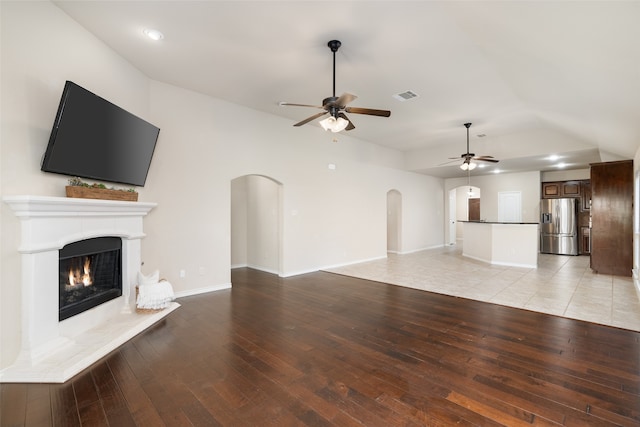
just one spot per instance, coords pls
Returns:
(291, 104)
(486, 160)
(450, 161)
(368, 111)
(344, 99)
(308, 119)
(350, 126)
(484, 157)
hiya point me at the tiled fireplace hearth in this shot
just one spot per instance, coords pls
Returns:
(54, 350)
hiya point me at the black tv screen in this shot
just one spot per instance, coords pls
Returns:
(93, 138)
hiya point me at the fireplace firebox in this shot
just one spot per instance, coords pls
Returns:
(90, 274)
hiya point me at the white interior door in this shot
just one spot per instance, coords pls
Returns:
(509, 206)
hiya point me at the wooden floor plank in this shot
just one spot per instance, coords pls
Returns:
(64, 406)
(138, 403)
(13, 398)
(39, 404)
(322, 349)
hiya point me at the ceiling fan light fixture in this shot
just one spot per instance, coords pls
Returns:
(334, 124)
(468, 165)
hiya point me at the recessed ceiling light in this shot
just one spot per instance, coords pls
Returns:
(153, 34)
(553, 157)
(496, 171)
(561, 165)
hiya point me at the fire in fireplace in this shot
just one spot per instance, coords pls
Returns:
(90, 274)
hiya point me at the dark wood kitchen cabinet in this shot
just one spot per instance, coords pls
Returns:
(551, 190)
(561, 189)
(612, 217)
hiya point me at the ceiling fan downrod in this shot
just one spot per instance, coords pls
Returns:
(468, 125)
(334, 45)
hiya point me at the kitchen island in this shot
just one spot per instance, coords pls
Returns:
(502, 243)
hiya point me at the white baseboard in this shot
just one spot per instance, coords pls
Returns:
(298, 273)
(266, 270)
(238, 266)
(329, 267)
(360, 261)
(422, 249)
(204, 290)
(504, 264)
(514, 264)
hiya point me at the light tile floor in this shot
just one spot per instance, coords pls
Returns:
(561, 285)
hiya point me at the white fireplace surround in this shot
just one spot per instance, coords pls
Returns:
(53, 351)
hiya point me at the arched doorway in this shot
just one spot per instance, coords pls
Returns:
(394, 221)
(256, 223)
(464, 205)
(453, 219)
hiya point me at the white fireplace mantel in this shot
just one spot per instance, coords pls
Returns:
(53, 351)
(52, 222)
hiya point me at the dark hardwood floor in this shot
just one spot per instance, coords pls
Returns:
(323, 349)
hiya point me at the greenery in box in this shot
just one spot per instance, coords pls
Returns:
(77, 182)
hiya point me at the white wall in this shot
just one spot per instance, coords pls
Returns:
(394, 221)
(569, 175)
(263, 224)
(40, 48)
(239, 222)
(256, 223)
(462, 207)
(424, 224)
(528, 183)
(329, 217)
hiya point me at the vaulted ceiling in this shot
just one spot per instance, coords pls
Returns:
(535, 78)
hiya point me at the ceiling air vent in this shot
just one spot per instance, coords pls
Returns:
(405, 96)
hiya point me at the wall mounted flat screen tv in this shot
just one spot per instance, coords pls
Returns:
(93, 138)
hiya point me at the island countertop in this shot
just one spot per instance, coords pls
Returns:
(498, 222)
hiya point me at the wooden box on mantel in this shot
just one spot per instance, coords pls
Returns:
(100, 193)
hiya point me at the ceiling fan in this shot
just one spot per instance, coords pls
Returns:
(337, 106)
(468, 157)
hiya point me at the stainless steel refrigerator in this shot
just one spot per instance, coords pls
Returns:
(559, 226)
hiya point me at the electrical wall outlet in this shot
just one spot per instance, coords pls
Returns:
(183, 273)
